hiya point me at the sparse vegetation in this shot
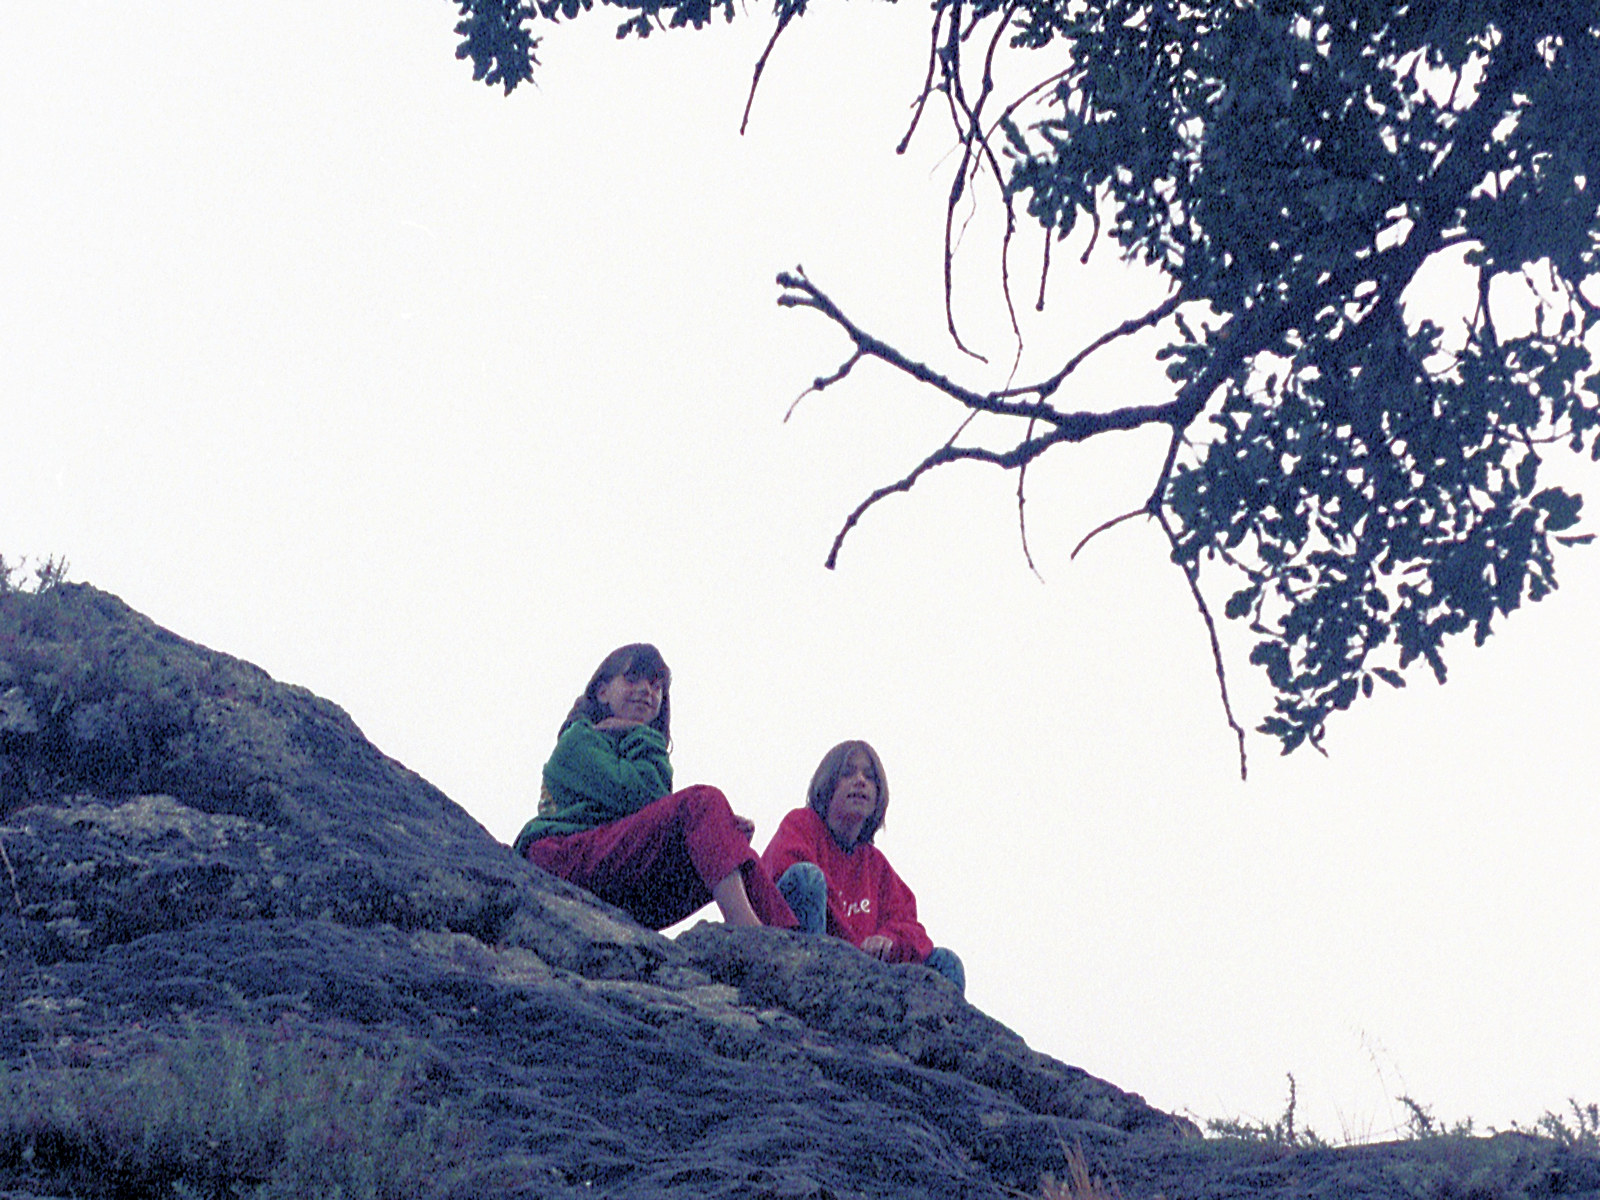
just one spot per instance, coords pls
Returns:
(211, 1114)
(1578, 1129)
(1282, 1133)
(1421, 1124)
(1079, 1184)
(1583, 1133)
(46, 575)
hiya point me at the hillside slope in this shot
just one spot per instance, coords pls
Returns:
(221, 900)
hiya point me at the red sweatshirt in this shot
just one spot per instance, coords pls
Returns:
(865, 896)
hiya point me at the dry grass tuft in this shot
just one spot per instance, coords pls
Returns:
(1079, 1184)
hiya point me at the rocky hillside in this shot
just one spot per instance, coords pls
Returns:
(244, 953)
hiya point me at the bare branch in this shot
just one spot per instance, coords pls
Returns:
(1191, 574)
(1024, 98)
(921, 101)
(956, 191)
(811, 296)
(761, 64)
(1069, 426)
(1131, 326)
(1022, 515)
(1044, 272)
(964, 119)
(1153, 504)
(1105, 525)
(987, 151)
(1094, 237)
(823, 381)
(946, 453)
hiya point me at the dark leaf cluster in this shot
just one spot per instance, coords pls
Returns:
(497, 34)
(495, 37)
(1293, 167)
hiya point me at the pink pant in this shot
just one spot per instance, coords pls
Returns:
(660, 863)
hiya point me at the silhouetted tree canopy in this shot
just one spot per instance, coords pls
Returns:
(1371, 474)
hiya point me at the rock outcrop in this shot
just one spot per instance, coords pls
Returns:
(198, 856)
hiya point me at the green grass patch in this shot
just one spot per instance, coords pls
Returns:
(212, 1114)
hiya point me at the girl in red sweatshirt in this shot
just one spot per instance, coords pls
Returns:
(836, 880)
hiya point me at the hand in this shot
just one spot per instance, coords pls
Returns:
(616, 723)
(745, 826)
(878, 946)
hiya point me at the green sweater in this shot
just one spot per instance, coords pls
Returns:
(596, 776)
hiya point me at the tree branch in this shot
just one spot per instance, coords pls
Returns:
(784, 18)
(1105, 525)
(927, 85)
(987, 151)
(1022, 511)
(824, 381)
(951, 70)
(1191, 574)
(946, 453)
(1131, 326)
(1044, 273)
(1071, 426)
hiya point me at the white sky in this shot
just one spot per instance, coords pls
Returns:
(425, 398)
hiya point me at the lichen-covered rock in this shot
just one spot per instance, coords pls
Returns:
(192, 850)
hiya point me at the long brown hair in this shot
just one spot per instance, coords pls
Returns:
(639, 659)
(826, 778)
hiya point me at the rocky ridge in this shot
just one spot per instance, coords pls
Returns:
(197, 855)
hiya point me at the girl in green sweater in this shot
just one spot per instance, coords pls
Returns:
(610, 822)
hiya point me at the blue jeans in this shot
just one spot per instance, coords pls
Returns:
(806, 889)
(948, 964)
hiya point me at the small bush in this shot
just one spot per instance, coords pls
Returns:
(211, 1116)
(46, 575)
(1281, 1134)
(1578, 1129)
(1422, 1125)
(1581, 1133)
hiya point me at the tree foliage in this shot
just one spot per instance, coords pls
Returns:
(1371, 476)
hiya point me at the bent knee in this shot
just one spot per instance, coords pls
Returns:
(702, 796)
(948, 963)
(805, 877)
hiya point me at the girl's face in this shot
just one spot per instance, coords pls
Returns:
(855, 798)
(631, 697)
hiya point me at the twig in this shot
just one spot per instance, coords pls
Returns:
(946, 453)
(1025, 97)
(1044, 272)
(902, 485)
(812, 296)
(1094, 236)
(761, 64)
(823, 381)
(987, 152)
(921, 101)
(15, 893)
(1105, 525)
(1131, 326)
(1191, 574)
(1152, 504)
(1022, 515)
(950, 66)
